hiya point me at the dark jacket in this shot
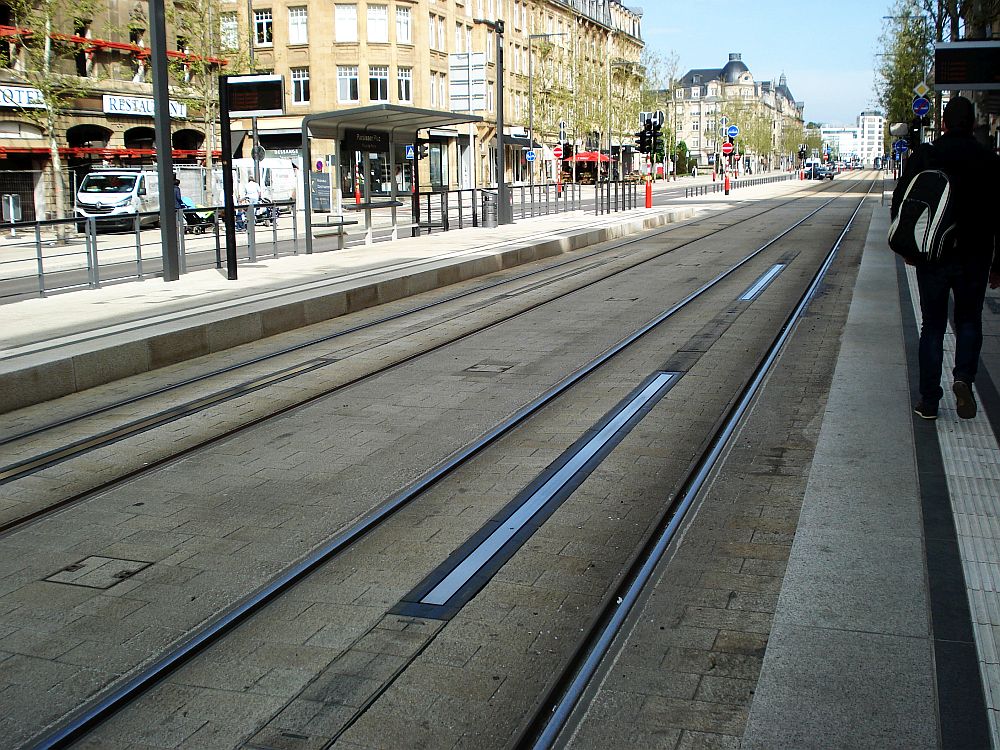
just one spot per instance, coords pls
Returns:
(178, 201)
(972, 170)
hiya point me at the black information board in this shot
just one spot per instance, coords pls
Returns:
(321, 192)
(255, 95)
(969, 66)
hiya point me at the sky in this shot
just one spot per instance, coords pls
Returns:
(826, 50)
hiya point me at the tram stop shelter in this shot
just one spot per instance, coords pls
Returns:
(381, 134)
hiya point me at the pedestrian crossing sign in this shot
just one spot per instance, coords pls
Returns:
(410, 152)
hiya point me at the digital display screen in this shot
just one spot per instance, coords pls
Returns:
(972, 66)
(255, 95)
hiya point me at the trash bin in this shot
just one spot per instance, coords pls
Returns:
(489, 210)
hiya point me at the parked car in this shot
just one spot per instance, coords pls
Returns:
(824, 173)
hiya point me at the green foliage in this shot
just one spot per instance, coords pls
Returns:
(682, 158)
(908, 43)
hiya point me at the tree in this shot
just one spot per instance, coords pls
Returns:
(908, 38)
(199, 29)
(45, 59)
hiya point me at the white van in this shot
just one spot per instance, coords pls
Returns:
(106, 193)
(279, 179)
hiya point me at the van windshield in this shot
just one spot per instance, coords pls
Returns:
(107, 183)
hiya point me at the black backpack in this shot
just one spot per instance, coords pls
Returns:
(925, 225)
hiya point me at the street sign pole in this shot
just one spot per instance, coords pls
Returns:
(164, 154)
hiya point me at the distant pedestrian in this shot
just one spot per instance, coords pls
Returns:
(252, 192)
(178, 198)
(966, 265)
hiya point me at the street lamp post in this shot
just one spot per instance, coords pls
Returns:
(531, 107)
(505, 211)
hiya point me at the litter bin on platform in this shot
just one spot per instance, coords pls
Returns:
(489, 210)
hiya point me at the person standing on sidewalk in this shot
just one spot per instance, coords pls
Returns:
(966, 266)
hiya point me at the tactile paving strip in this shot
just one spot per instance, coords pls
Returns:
(971, 460)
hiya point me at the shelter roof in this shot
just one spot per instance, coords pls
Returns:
(381, 118)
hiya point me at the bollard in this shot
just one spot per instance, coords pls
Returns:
(727, 184)
(649, 193)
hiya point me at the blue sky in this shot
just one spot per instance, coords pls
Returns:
(827, 50)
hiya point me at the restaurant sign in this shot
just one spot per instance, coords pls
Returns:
(115, 104)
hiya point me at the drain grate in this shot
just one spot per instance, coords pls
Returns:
(492, 367)
(98, 572)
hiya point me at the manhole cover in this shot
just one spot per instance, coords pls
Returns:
(98, 572)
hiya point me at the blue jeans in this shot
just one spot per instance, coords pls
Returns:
(967, 281)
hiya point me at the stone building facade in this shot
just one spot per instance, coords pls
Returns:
(767, 114)
(331, 55)
(354, 54)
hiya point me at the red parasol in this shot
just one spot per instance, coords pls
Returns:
(590, 156)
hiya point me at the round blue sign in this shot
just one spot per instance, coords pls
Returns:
(733, 131)
(921, 106)
(899, 146)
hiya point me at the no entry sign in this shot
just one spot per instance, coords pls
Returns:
(727, 148)
(557, 152)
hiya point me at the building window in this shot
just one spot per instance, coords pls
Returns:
(404, 82)
(434, 89)
(378, 83)
(378, 23)
(263, 28)
(403, 26)
(347, 83)
(300, 85)
(442, 40)
(443, 90)
(345, 22)
(229, 31)
(298, 32)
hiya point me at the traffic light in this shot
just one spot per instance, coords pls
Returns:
(645, 137)
(802, 152)
(422, 151)
(656, 142)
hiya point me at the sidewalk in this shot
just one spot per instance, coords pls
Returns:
(872, 644)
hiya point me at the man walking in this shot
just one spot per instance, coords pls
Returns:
(965, 266)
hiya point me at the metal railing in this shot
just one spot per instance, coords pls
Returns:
(40, 257)
(615, 195)
(743, 182)
(455, 209)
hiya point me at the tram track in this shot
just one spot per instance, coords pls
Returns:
(241, 611)
(37, 462)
